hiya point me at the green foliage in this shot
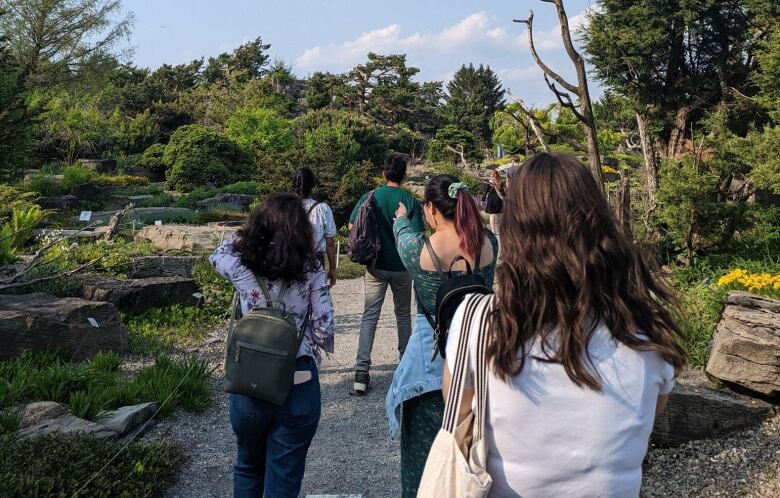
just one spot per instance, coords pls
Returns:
(159, 330)
(473, 96)
(152, 159)
(10, 420)
(175, 384)
(245, 63)
(260, 129)
(121, 181)
(14, 233)
(15, 123)
(13, 198)
(217, 290)
(188, 200)
(450, 141)
(77, 174)
(352, 127)
(159, 200)
(198, 157)
(44, 184)
(349, 270)
(59, 465)
(133, 135)
(221, 212)
(113, 257)
(473, 183)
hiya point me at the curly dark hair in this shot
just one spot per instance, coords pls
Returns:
(277, 240)
(304, 182)
(566, 267)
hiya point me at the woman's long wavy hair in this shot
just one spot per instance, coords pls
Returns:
(566, 267)
(462, 211)
(276, 241)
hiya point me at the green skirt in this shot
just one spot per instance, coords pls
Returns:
(420, 422)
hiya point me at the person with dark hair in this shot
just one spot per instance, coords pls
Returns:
(414, 402)
(582, 348)
(275, 246)
(387, 270)
(321, 218)
(494, 201)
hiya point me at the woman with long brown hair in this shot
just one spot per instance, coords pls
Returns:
(582, 347)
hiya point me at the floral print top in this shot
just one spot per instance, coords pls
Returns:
(314, 289)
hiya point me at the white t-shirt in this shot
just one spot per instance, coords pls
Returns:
(321, 218)
(548, 437)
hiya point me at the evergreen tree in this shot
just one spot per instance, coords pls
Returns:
(473, 96)
(14, 119)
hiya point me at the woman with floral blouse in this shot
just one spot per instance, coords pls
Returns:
(275, 245)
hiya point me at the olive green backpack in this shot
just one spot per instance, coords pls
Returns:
(261, 349)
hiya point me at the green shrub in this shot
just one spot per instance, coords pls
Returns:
(198, 157)
(45, 185)
(106, 361)
(140, 190)
(175, 384)
(159, 200)
(13, 198)
(260, 129)
(349, 270)
(14, 233)
(121, 181)
(56, 465)
(88, 405)
(221, 212)
(701, 308)
(188, 200)
(152, 159)
(77, 174)
(217, 290)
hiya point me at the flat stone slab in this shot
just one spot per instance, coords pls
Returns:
(126, 419)
(37, 321)
(162, 266)
(138, 295)
(59, 202)
(35, 413)
(68, 424)
(185, 238)
(696, 410)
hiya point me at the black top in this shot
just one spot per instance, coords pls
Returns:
(493, 202)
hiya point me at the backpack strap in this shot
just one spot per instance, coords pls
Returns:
(434, 258)
(311, 208)
(264, 288)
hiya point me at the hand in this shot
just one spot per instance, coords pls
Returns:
(332, 277)
(401, 212)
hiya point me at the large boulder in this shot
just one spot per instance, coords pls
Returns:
(68, 424)
(697, 410)
(59, 202)
(239, 201)
(162, 266)
(35, 321)
(141, 294)
(746, 344)
(185, 238)
(100, 165)
(37, 412)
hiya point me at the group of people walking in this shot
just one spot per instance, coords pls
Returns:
(579, 337)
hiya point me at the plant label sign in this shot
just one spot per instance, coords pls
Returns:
(158, 223)
(93, 322)
(85, 216)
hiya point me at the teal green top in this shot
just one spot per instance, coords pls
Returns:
(387, 199)
(410, 243)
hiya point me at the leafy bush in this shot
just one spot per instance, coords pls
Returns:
(14, 233)
(121, 181)
(221, 212)
(188, 200)
(217, 291)
(77, 174)
(261, 129)
(451, 137)
(9, 421)
(13, 198)
(45, 185)
(199, 157)
(59, 465)
(152, 159)
(114, 257)
(159, 200)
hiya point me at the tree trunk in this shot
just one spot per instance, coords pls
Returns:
(651, 159)
(623, 204)
(678, 132)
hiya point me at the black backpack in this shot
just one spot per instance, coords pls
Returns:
(450, 294)
(363, 242)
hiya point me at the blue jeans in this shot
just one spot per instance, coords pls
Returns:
(273, 440)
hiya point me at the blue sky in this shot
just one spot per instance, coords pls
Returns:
(334, 35)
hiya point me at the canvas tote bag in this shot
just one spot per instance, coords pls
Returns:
(448, 473)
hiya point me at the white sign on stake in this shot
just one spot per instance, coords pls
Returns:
(93, 322)
(158, 223)
(85, 216)
(198, 295)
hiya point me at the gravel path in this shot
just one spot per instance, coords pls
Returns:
(352, 454)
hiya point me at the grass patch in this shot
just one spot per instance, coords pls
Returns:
(217, 290)
(162, 199)
(159, 330)
(90, 388)
(53, 466)
(188, 200)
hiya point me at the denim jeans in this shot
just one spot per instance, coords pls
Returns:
(273, 440)
(376, 283)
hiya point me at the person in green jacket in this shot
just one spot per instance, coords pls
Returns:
(388, 270)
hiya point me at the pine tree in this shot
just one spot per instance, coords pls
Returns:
(473, 96)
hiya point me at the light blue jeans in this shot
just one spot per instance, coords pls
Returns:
(417, 374)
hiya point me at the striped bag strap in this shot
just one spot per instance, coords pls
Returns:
(474, 311)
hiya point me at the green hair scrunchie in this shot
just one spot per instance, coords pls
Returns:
(455, 188)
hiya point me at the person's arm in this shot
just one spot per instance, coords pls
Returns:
(416, 217)
(408, 241)
(323, 324)
(330, 250)
(663, 400)
(227, 262)
(667, 384)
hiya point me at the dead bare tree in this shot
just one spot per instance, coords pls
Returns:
(532, 120)
(116, 219)
(583, 109)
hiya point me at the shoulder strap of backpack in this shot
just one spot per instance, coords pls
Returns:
(434, 258)
(311, 208)
(264, 288)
